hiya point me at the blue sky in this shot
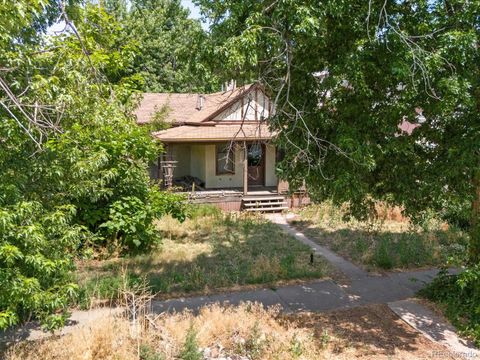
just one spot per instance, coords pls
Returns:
(194, 10)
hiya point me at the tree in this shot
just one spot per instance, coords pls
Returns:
(173, 49)
(345, 75)
(73, 162)
(36, 242)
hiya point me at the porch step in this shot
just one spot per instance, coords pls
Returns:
(263, 197)
(264, 203)
(279, 208)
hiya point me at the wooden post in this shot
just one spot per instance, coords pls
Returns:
(245, 168)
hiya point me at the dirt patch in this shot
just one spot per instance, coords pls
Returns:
(369, 332)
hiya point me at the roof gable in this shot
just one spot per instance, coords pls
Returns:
(252, 106)
(184, 108)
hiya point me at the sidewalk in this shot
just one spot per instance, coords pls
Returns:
(319, 295)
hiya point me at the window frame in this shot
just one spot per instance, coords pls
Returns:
(224, 147)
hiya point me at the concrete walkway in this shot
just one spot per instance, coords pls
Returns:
(319, 295)
(352, 271)
(434, 328)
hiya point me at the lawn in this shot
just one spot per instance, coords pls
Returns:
(211, 250)
(390, 242)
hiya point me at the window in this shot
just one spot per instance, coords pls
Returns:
(225, 159)
(254, 155)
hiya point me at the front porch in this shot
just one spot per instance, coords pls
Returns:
(231, 175)
(219, 168)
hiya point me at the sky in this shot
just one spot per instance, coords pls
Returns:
(194, 10)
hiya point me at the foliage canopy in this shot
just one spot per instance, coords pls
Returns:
(173, 49)
(346, 74)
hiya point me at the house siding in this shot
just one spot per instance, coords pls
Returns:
(181, 153)
(252, 107)
(198, 162)
(215, 181)
(222, 181)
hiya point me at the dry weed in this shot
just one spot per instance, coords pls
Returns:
(265, 268)
(247, 330)
(109, 338)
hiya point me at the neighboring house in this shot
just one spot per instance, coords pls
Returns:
(218, 146)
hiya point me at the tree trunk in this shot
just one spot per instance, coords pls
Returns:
(474, 253)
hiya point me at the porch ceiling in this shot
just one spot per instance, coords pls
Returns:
(231, 132)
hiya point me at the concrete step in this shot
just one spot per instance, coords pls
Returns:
(262, 203)
(279, 208)
(262, 198)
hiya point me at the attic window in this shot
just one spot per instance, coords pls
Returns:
(225, 159)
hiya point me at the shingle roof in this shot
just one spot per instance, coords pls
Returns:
(229, 132)
(182, 108)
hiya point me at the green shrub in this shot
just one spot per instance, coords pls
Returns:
(130, 222)
(167, 202)
(37, 248)
(190, 350)
(130, 219)
(296, 347)
(147, 353)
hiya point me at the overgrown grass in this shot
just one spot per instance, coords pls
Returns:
(209, 251)
(389, 242)
(244, 332)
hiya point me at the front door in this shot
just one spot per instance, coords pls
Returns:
(256, 164)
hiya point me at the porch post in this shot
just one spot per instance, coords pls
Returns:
(245, 169)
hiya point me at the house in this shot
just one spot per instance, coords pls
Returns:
(218, 147)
